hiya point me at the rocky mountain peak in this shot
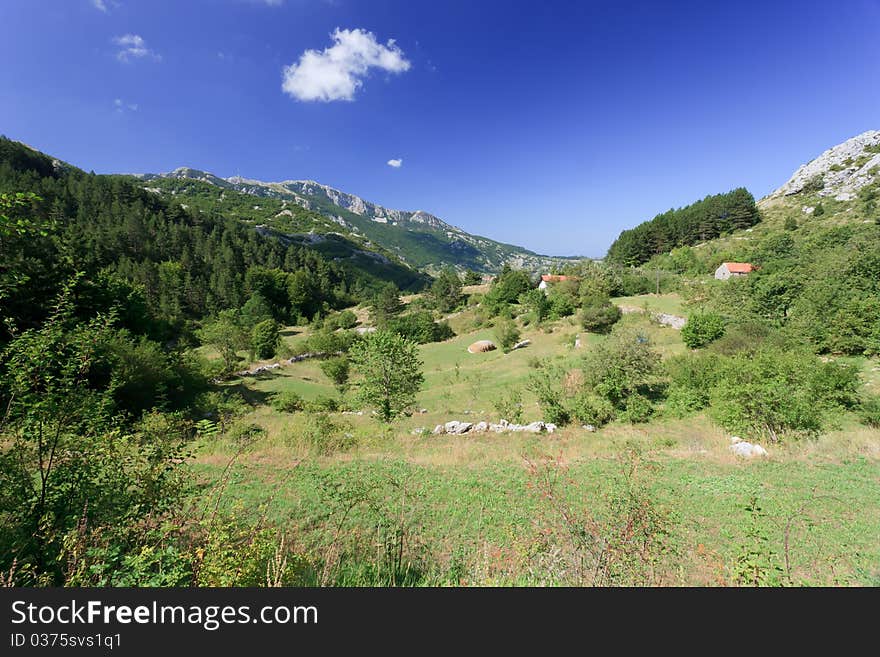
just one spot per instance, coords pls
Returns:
(840, 172)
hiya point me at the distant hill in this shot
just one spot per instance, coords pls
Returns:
(840, 186)
(417, 238)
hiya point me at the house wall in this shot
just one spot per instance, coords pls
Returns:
(722, 273)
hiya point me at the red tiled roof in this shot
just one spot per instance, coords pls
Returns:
(552, 278)
(739, 267)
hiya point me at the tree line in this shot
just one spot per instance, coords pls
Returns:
(704, 220)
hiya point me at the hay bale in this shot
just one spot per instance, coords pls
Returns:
(481, 346)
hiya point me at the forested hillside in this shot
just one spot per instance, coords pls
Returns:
(713, 216)
(303, 206)
(166, 263)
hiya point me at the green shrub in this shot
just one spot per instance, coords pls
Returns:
(869, 411)
(506, 333)
(336, 369)
(589, 408)
(245, 433)
(324, 436)
(815, 184)
(701, 329)
(561, 305)
(599, 315)
(682, 401)
(547, 385)
(691, 379)
(287, 402)
(420, 327)
(744, 336)
(638, 409)
(835, 384)
(509, 404)
(767, 394)
(346, 319)
(619, 367)
(321, 404)
(265, 338)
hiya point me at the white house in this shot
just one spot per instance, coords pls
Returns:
(728, 269)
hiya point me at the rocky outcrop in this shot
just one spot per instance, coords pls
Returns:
(840, 172)
(456, 427)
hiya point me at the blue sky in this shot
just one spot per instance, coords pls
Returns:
(552, 125)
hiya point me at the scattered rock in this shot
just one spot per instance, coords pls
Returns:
(422, 411)
(747, 450)
(674, 321)
(521, 344)
(589, 427)
(439, 429)
(481, 426)
(456, 427)
(418, 431)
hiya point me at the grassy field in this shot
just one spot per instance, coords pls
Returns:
(499, 509)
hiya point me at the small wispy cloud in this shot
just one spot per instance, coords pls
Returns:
(105, 5)
(396, 163)
(133, 46)
(337, 72)
(121, 106)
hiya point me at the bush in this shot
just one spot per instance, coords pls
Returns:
(336, 369)
(691, 379)
(599, 315)
(287, 402)
(835, 385)
(547, 385)
(506, 333)
(537, 304)
(638, 409)
(869, 411)
(701, 329)
(620, 367)
(681, 401)
(745, 336)
(321, 404)
(815, 184)
(420, 327)
(509, 404)
(265, 338)
(346, 319)
(330, 342)
(592, 409)
(245, 433)
(325, 437)
(768, 394)
(561, 305)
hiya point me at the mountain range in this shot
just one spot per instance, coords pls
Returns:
(310, 212)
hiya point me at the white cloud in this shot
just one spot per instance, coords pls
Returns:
(336, 73)
(121, 106)
(396, 163)
(105, 5)
(133, 46)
